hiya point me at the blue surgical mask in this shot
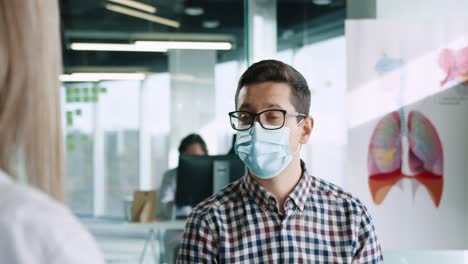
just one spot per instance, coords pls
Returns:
(265, 152)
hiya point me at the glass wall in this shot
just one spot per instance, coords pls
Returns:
(313, 42)
(118, 122)
(102, 141)
(78, 113)
(128, 102)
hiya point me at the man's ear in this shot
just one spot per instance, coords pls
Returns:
(308, 125)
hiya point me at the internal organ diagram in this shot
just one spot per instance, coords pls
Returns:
(454, 64)
(405, 150)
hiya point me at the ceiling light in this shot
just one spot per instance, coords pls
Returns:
(95, 77)
(322, 2)
(113, 47)
(211, 24)
(153, 46)
(194, 11)
(197, 45)
(136, 5)
(142, 15)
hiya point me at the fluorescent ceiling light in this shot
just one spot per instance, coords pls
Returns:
(211, 24)
(136, 5)
(194, 11)
(95, 77)
(142, 15)
(153, 46)
(113, 47)
(322, 2)
(197, 45)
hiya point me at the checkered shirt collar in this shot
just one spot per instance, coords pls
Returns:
(262, 197)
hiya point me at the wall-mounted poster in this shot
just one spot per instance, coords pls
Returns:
(408, 130)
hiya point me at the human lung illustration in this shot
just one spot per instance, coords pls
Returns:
(399, 150)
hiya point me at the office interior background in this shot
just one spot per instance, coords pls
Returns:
(141, 75)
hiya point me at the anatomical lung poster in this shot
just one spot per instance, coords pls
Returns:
(407, 157)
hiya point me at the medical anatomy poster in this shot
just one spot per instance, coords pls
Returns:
(407, 157)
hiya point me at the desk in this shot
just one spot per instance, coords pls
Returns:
(103, 226)
(123, 242)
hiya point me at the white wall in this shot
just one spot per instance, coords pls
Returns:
(421, 9)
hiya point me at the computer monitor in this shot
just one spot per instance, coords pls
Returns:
(198, 177)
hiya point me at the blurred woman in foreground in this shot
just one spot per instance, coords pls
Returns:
(35, 227)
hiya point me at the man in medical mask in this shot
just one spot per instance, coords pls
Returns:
(277, 213)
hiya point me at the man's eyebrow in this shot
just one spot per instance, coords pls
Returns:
(277, 106)
(244, 106)
(247, 106)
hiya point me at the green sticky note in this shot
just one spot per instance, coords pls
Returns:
(103, 90)
(71, 147)
(78, 112)
(94, 99)
(70, 139)
(86, 99)
(85, 138)
(69, 118)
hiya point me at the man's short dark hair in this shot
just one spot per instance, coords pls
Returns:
(192, 139)
(277, 71)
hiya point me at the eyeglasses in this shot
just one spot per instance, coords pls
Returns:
(271, 119)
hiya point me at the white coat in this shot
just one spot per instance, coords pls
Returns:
(34, 228)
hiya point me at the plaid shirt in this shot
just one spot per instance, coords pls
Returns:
(242, 224)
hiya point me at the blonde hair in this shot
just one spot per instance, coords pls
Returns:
(30, 116)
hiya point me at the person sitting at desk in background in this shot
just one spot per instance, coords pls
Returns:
(35, 227)
(192, 144)
(278, 212)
